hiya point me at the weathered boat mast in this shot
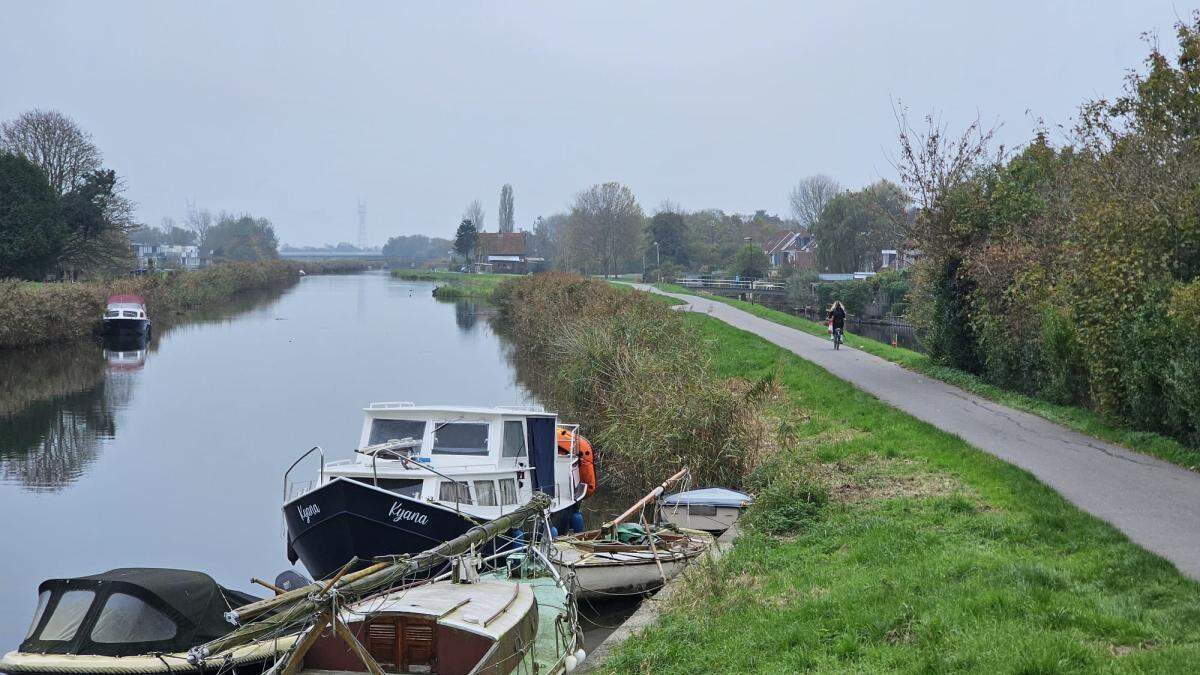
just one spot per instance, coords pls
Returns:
(315, 605)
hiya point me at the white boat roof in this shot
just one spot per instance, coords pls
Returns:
(407, 407)
(708, 497)
(488, 608)
(125, 305)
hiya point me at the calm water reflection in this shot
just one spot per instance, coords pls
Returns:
(173, 455)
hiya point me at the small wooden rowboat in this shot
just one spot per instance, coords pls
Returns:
(605, 566)
(623, 559)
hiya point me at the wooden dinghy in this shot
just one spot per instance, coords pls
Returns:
(605, 566)
(623, 559)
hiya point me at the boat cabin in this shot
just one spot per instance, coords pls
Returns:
(479, 460)
(443, 627)
(129, 611)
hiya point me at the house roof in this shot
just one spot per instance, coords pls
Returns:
(787, 241)
(503, 243)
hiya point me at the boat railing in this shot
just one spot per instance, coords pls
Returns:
(391, 405)
(320, 477)
(523, 407)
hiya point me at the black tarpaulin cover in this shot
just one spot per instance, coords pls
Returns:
(132, 610)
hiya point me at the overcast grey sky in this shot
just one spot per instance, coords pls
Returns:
(295, 110)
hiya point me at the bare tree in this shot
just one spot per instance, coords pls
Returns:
(474, 213)
(199, 221)
(53, 142)
(604, 227)
(810, 196)
(931, 164)
(506, 208)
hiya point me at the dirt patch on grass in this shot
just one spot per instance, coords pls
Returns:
(880, 479)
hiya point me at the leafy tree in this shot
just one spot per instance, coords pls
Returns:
(506, 208)
(856, 226)
(32, 233)
(241, 238)
(465, 238)
(669, 230)
(98, 219)
(166, 233)
(53, 142)
(750, 262)
(603, 229)
(417, 247)
(547, 239)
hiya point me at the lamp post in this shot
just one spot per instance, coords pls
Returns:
(657, 257)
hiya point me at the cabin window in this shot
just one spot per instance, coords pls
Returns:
(43, 598)
(129, 619)
(466, 438)
(485, 493)
(68, 614)
(508, 491)
(112, 312)
(514, 439)
(129, 314)
(396, 430)
(450, 489)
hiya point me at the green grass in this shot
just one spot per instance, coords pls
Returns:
(1072, 417)
(455, 285)
(931, 556)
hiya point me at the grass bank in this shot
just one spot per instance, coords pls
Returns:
(454, 285)
(880, 543)
(45, 313)
(1073, 417)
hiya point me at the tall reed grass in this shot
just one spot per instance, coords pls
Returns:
(636, 377)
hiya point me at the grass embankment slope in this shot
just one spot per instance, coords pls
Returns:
(1073, 417)
(880, 543)
(44, 313)
(455, 285)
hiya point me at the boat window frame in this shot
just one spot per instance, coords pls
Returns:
(442, 485)
(142, 606)
(371, 430)
(515, 497)
(462, 452)
(524, 451)
(39, 613)
(479, 501)
(82, 616)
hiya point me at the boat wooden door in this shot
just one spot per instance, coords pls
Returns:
(403, 644)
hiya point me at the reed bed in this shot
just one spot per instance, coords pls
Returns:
(638, 379)
(41, 313)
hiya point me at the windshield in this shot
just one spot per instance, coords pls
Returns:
(68, 614)
(396, 430)
(463, 438)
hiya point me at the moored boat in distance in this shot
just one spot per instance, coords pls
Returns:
(125, 314)
(422, 475)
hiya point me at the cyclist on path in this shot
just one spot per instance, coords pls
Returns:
(837, 317)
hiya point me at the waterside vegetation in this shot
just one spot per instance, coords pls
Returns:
(455, 285)
(879, 543)
(633, 373)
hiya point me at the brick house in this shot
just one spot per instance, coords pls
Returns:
(503, 252)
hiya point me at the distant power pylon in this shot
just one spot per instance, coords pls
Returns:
(362, 224)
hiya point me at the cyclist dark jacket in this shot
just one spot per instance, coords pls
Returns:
(838, 316)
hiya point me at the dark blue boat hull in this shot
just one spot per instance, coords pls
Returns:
(345, 519)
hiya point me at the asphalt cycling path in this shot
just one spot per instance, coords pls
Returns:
(1156, 504)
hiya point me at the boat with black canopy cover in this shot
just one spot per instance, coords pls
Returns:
(132, 620)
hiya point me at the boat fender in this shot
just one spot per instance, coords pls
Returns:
(570, 663)
(553, 531)
(580, 655)
(577, 522)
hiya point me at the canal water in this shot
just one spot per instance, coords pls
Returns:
(173, 455)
